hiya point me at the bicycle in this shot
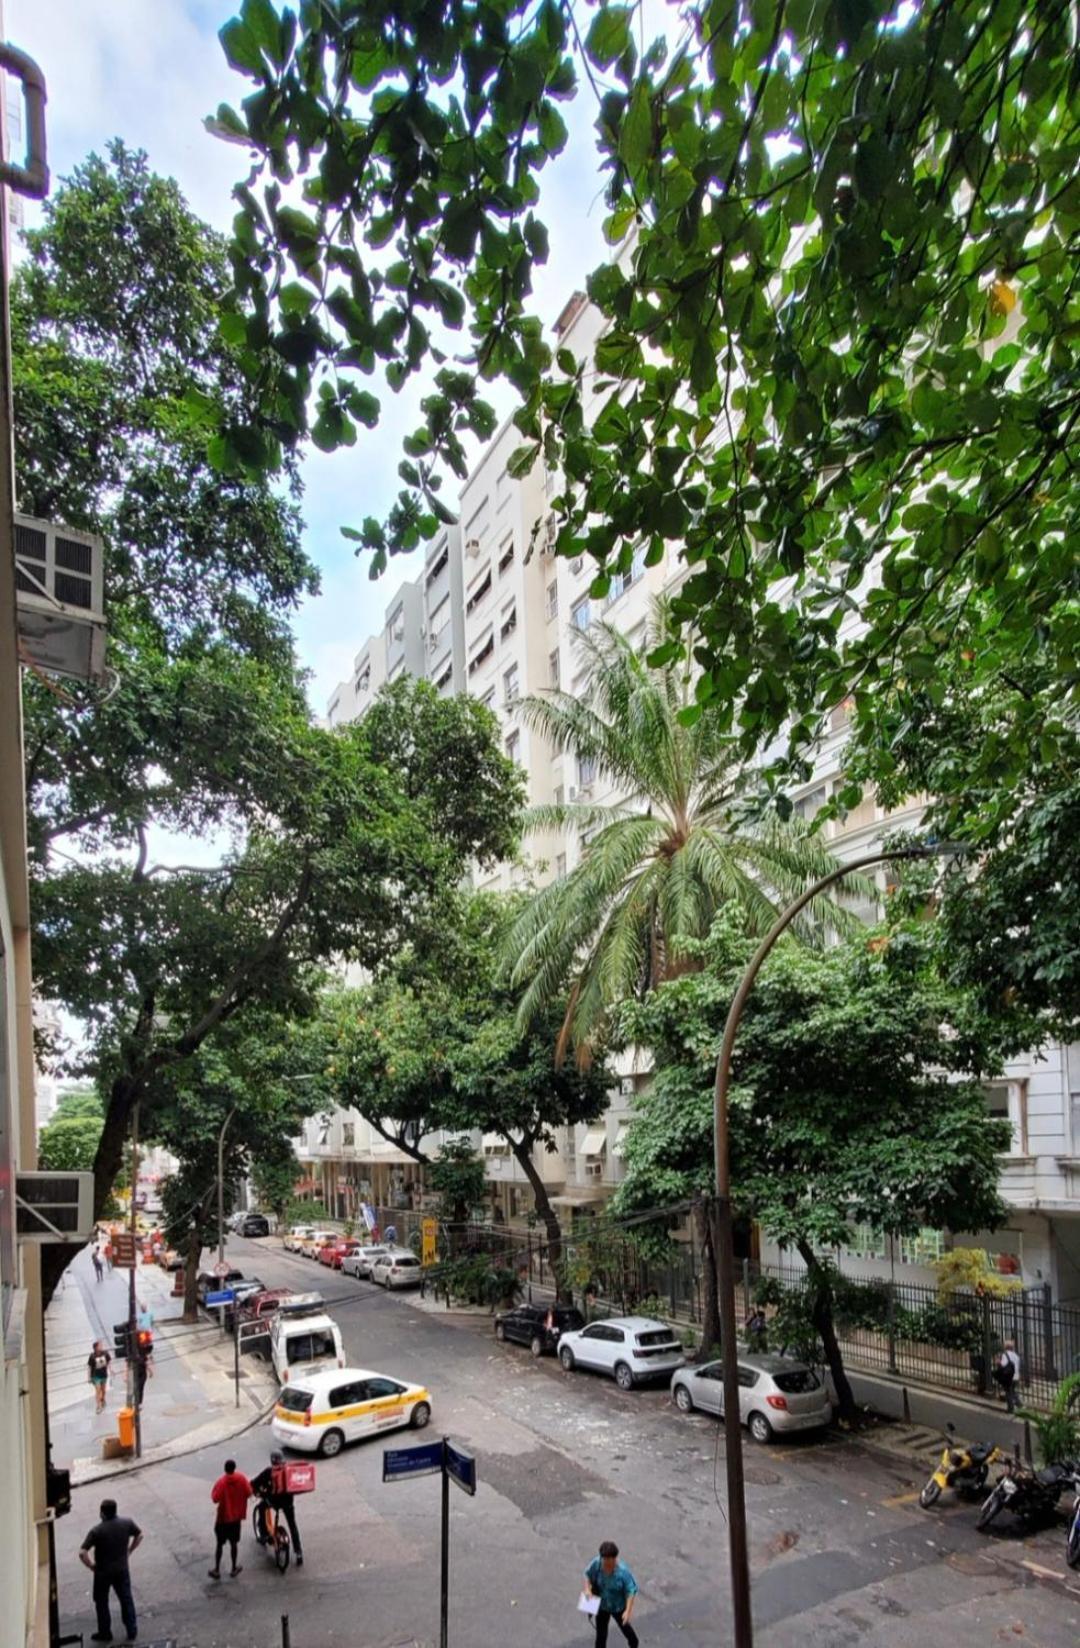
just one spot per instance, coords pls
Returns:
(269, 1529)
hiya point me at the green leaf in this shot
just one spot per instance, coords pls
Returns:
(242, 48)
(636, 133)
(609, 35)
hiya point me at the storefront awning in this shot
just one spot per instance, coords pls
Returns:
(595, 1142)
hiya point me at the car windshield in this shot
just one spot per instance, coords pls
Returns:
(799, 1379)
(656, 1336)
(297, 1401)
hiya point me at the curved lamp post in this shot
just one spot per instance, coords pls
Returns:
(725, 1248)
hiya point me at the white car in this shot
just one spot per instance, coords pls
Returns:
(359, 1262)
(320, 1413)
(397, 1268)
(776, 1393)
(296, 1237)
(630, 1348)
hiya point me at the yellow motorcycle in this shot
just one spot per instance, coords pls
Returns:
(962, 1468)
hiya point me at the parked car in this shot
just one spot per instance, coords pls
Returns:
(295, 1237)
(359, 1262)
(321, 1412)
(397, 1268)
(254, 1224)
(208, 1282)
(255, 1306)
(538, 1326)
(776, 1393)
(315, 1239)
(630, 1348)
(336, 1251)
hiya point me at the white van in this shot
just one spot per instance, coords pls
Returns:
(304, 1339)
(321, 1414)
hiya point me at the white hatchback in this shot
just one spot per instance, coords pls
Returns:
(776, 1393)
(631, 1348)
(359, 1262)
(320, 1413)
(397, 1268)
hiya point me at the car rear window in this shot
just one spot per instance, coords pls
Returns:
(799, 1380)
(308, 1347)
(404, 1264)
(656, 1336)
(569, 1320)
(297, 1401)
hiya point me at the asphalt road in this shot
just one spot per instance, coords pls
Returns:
(841, 1553)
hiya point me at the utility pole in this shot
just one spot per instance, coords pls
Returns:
(135, 1382)
(725, 1243)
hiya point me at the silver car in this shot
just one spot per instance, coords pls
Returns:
(630, 1348)
(359, 1262)
(397, 1268)
(776, 1394)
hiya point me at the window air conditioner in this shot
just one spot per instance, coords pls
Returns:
(60, 598)
(594, 1168)
(472, 547)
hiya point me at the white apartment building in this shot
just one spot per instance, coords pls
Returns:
(392, 652)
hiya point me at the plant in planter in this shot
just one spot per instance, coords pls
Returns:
(1058, 1432)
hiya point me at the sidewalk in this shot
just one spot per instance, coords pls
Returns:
(190, 1400)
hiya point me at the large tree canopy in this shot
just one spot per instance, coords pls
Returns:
(840, 357)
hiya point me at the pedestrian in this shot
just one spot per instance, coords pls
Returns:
(97, 1371)
(99, 1268)
(757, 1329)
(611, 1581)
(279, 1500)
(1007, 1374)
(390, 1235)
(230, 1494)
(105, 1551)
(107, 1253)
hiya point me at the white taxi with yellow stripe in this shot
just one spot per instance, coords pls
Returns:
(322, 1411)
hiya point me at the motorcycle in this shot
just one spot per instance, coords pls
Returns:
(1072, 1542)
(964, 1469)
(1031, 1496)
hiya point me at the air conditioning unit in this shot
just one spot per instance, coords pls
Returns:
(54, 1207)
(594, 1168)
(60, 598)
(472, 547)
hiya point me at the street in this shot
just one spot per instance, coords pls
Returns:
(841, 1553)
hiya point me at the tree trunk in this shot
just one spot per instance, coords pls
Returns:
(822, 1315)
(191, 1270)
(710, 1314)
(545, 1212)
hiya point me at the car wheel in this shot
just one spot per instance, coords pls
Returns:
(759, 1428)
(500, 1333)
(536, 1345)
(683, 1400)
(420, 1416)
(331, 1444)
(566, 1357)
(624, 1378)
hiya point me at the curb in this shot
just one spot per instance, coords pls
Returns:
(101, 1470)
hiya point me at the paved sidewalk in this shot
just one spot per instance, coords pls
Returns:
(189, 1401)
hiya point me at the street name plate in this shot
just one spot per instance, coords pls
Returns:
(462, 1467)
(421, 1461)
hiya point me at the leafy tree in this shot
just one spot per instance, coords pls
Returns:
(274, 1182)
(839, 356)
(664, 858)
(80, 1101)
(457, 1177)
(68, 1144)
(854, 1099)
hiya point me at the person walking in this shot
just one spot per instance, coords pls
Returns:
(230, 1494)
(105, 1551)
(1007, 1374)
(97, 1371)
(281, 1502)
(106, 1253)
(611, 1581)
(96, 1261)
(757, 1330)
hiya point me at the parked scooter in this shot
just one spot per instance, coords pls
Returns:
(1072, 1543)
(963, 1468)
(1031, 1496)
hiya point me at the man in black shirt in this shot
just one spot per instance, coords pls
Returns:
(111, 1542)
(283, 1503)
(97, 1364)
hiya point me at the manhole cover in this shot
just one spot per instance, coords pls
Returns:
(758, 1477)
(970, 1563)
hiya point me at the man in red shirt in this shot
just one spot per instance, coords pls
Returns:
(230, 1494)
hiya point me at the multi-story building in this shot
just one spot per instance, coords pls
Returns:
(394, 651)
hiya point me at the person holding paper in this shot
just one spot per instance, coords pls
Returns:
(612, 1582)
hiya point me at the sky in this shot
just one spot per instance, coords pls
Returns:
(149, 71)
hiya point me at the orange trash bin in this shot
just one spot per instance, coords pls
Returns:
(125, 1425)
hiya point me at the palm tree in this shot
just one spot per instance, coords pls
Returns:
(660, 862)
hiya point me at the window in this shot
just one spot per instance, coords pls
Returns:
(308, 1347)
(486, 649)
(1007, 1101)
(586, 771)
(560, 865)
(437, 565)
(348, 1135)
(577, 563)
(384, 1387)
(324, 1131)
(748, 1377)
(810, 805)
(510, 684)
(553, 667)
(506, 557)
(841, 714)
(508, 623)
(478, 592)
(489, 698)
(444, 679)
(552, 600)
(294, 1400)
(343, 1396)
(1074, 1108)
(513, 747)
(579, 613)
(865, 1242)
(924, 1249)
(560, 795)
(363, 680)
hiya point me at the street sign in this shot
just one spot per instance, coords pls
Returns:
(429, 1229)
(225, 1297)
(222, 1268)
(123, 1246)
(462, 1467)
(425, 1460)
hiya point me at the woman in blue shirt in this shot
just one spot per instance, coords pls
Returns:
(611, 1581)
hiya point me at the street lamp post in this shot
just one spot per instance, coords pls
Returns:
(724, 1235)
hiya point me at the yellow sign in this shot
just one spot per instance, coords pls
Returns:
(429, 1230)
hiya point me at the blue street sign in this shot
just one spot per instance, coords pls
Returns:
(225, 1297)
(419, 1461)
(462, 1467)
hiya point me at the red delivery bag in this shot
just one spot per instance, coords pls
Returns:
(295, 1477)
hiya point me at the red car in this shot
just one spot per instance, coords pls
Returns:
(333, 1252)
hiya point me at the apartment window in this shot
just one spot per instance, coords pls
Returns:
(560, 865)
(577, 563)
(437, 566)
(348, 1135)
(444, 679)
(513, 747)
(1008, 1102)
(488, 700)
(553, 667)
(478, 592)
(864, 1242)
(841, 714)
(511, 684)
(363, 680)
(1074, 1117)
(637, 565)
(586, 771)
(485, 652)
(552, 600)
(926, 1248)
(560, 795)
(580, 613)
(508, 623)
(810, 805)
(617, 586)
(506, 557)
(324, 1131)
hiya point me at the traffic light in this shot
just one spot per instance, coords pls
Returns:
(145, 1340)
(122, 1340)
